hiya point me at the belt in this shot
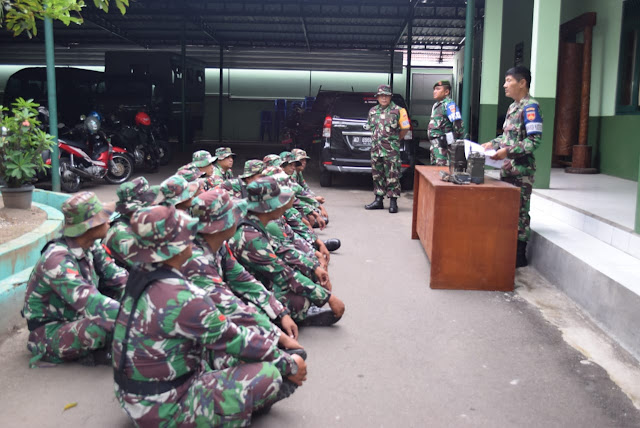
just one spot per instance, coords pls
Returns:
(139, 387)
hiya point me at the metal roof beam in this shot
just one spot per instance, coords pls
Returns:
(405, 25)
(304, 31)
(112, 28)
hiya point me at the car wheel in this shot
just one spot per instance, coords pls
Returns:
(406, 181)
(326, 178)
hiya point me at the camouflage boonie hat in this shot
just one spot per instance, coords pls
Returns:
(299, 154)
(271, 160)
(286, 158)
(136, 194)
(252, 167)
(84, 211)
(223, 153)
(217, 211)
(176, 189)
(265, 195)
(384, 90)
(190, 173)
(161, 233)
(272, 171)
(202, 159)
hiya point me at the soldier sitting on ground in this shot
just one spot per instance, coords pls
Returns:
(68, 312)
(225, 280)
(288, 164)
(253, 247)
(165, 323)
(222, 167)
(132, 196)
(238, 186)
(203, 160)
(178, 192)
(301, 163)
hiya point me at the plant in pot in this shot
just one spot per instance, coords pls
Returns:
(22, 142)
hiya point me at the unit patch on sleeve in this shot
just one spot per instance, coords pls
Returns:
(452, 112)
(532, 119)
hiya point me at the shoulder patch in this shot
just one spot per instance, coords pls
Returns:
(532, 119)
(404, 119)
(452, 112)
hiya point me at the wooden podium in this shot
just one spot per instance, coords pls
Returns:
(469, 232)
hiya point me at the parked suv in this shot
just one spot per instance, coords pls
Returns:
(347, 142)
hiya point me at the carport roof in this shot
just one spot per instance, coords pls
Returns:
(306, 24)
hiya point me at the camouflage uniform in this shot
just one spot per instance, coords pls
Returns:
(161, 378)
(294, 220)
(254, 248)
(271, 160)
(297, 176)
(132, 195)
(176, 190)
(522, 134)
(386, 124)
(202, 159)
(237, 186)
(445, 119)
(67, 315)
(219, 175)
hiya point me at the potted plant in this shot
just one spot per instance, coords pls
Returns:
(22, 142)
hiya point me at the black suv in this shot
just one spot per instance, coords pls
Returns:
(347, 142)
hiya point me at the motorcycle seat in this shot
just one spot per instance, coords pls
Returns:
(78, 144)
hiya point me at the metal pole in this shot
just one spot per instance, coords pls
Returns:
(468, 57)
(409, 42)
(183, 43)
(221, 94)
(53, 107)
(391, 51)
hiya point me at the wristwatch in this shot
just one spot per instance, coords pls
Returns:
(294, 367)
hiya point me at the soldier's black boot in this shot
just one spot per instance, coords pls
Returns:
(521, 255)
(375, 205)
(393, 205)
(332, 244)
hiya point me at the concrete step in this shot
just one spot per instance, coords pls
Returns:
(600, 277)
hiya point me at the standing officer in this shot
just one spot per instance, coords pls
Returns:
(522, 133)
(389, 124)
(445, 125)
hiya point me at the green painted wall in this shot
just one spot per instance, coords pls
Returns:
(543, 153)
(616, 144)
(488, 125)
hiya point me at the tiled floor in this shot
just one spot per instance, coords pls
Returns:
(607, 197)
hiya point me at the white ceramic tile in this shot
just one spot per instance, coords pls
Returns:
(577, 220)
(620, 239)
(605, 232)
(561, 213)
(634, 245)
(591, 226)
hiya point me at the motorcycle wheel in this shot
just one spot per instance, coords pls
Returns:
(164, 154)
(120, 169)
(69, 181)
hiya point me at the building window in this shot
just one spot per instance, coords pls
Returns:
(629, 80)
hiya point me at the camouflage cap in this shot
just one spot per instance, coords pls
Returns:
(384, 90)
(202, 159)
(136, 194)
(176, 189)
(82, 212)
(160, 233)
(271, 160)
(299, 154)
(223, 153)
(286, 158)
(274, 171)
(265, 195)
(190, 173)
(442, 83)
(217, 211)
(252, 167)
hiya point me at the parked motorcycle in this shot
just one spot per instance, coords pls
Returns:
(86, 154)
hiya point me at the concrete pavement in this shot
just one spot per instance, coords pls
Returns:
(403, 355)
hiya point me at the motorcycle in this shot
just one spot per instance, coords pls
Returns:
(86, 154)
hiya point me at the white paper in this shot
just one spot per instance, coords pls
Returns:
(470, 146)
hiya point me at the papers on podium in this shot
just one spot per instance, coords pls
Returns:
(470, 146)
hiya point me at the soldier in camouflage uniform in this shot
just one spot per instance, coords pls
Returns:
(213, 268)
(222, 167)
(271, 160)
(389, 124)
(522, 134)
(237, 187)
(178, 192)
(253, 247)
(203, 160)
(132, 196)
(67, 314)
(165, 324)
(445, 125)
